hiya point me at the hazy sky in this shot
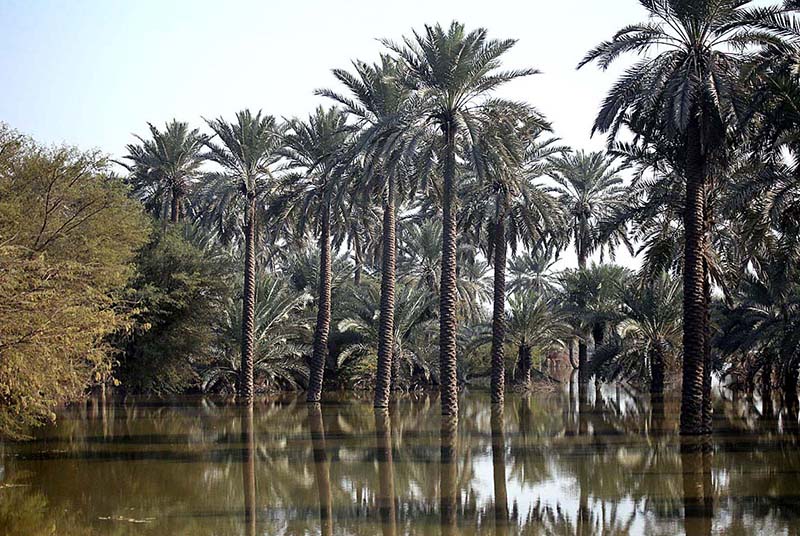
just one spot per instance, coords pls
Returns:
(91, 73)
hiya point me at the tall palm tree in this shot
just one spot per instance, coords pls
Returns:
(590, 188)
(317, 147)
(686, 92)
(454, 71)
(246, 150)
(379, 102)
(508, 157)
(164, 169)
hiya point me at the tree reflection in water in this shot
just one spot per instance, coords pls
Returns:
(611, 465)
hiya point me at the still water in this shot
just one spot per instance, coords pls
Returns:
(597, 461)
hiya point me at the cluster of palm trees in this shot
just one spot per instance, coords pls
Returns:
(418, 145)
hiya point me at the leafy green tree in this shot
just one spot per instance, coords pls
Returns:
(235, 199)
(687, 93)
(453, 71)
(165, 168)
(68, 234)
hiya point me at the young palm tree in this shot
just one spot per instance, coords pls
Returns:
(317, 147)
(453, 71)
(589, 188)
(686, 92)
(165, 167)
(508, 157)
(246, 149)
(380, 104)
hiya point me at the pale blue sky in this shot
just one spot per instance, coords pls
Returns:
(91, 73)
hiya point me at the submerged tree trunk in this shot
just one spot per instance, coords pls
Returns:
(693, 287)
(323, 327)
(248, 305)
(448, 476)
(249, 469)
(499, 470)
(386, 493)
(383, 380)
(499, 315)
(322, 469)
(448, 296)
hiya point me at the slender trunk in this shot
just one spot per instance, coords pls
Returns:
(448, 476)
(582, 246)
(707, 407)
(499, 314)
(525, 365)
(693, 289)
(322, 469)
(583, 368)
(598, 334)
(572, 354)
(448, 296)
(385, 370)
(248, 304)
(499, 470)
(249, 469)
(175, 207)
(359, 261)
(657, 368)
(320, 351)
(386, 493)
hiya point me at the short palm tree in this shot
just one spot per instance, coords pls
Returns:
(453, 71)
(164, 169)
(235, 197)
(317, 148)
(281, 333)
(686, 92)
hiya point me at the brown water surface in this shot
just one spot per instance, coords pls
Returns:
(605, 461)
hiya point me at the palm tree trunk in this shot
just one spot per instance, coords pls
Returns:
(322, 469)
(448, 476)
(383, 381)
(448, 297)
(657, 369)
(323, 326)
(583, 364)
(525, 365)
(693, 287)
(249, 469)
(175, 207)
(499, 471)
(499, 314)
(707, 406)
(248, 304)
(386, 493)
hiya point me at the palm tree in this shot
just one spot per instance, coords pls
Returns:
(246, 151)
(508, 157)
(453, 71)
(316, 147)
(687, 93)
(164, 168)
(533, 325)
(280, 333)
(379, 102)
(589, 188)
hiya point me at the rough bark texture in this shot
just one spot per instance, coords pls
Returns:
(322, 469)
(499, 470)
(524, 365)
(248, 305)
(583, 363)
(499, 315)
(707, 407)
(386, 494)
(693, 289)
(323, 327)
(175, 207)
(384, 374)
(249, 469)
(657, 368)
(448, 296)
(448, 476)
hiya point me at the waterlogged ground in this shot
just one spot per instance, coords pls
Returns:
(594, 462)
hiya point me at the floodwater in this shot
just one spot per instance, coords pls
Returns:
(599, 461)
